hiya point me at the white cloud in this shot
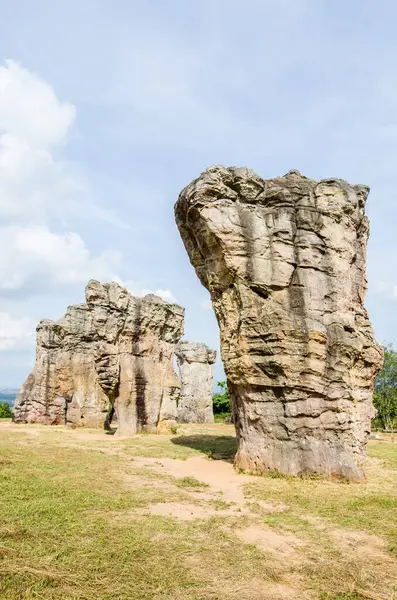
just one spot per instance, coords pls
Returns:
(380, 287)
(15, 332)
(30, 110)
(206, 304)
(385, 289)
(32, 184)
(36, 188)
(166, 295)
(37, 257)
(138, 289)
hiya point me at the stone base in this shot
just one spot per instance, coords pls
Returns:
(292, 438)
(305, 459)
(195, 416)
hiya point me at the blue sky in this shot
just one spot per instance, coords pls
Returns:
(108, 109)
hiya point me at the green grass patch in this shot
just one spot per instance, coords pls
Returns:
(222, 417)
(386, 451)
(216, 447)
(191, 482)
(183, 446)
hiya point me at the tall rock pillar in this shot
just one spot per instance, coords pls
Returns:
(284, 262)
(195, 362)
(115, 350)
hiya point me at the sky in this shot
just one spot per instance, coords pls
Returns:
(109, 108)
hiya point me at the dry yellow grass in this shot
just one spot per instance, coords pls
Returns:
(88, 516)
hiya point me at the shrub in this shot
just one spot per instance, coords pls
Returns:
(5, 410)
(385, 395)
(222, 402)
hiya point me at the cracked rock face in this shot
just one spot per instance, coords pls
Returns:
(284, 262)
(114, 350)
(195, 362)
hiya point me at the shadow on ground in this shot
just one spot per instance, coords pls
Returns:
(111, 431)
(217, 447)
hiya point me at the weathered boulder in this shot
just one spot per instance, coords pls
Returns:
(195, 362)
(114, 350)
(284, 262)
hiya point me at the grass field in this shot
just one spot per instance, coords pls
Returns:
(90, 516)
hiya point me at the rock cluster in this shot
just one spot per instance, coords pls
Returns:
(195, 362)
(115, 346)
(284, 262)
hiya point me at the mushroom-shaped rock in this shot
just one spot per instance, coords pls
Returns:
(284, 262)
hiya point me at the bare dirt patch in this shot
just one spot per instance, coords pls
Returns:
(269, 540)
(361, 544)
(219, 475)
(188, 512)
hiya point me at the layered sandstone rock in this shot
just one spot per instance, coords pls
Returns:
(195, 362)
(284, 261)
(115, 349)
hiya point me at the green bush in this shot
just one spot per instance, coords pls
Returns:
(385, 395)
(222, 417)
(222, 402)
(5, 410)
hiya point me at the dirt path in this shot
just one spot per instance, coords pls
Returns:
(224, 485)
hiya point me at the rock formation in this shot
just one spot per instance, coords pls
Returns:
(195, 362)
(284, 262)
(115, 349)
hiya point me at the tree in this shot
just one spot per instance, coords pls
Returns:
(221, 402)
(5, 410)
(385, 394)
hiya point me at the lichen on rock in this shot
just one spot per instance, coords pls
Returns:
(284, 260)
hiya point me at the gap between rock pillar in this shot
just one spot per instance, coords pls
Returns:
(284, 260)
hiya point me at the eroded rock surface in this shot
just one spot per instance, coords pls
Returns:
(284, 261)
(114, 350)
(195, 362)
